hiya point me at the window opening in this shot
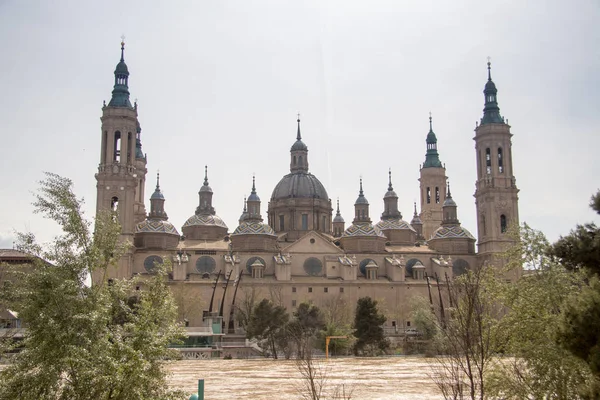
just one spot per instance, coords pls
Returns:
(437, 195)
(428, 195)
(304, 222)
(488, 161)
(500, 161)
(503, 223)
(117, 147)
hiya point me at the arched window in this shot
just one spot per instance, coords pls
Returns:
(294, 160)
(114, 204)
(117, 147)
(500, 161)
(503, 223)
(488, 161)
(300, 160)
(483, 228)
(428, 195)
(437, 195)
(129, 148)
(206, 265)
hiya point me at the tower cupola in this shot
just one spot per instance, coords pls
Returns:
(390, 202)
(432, 157)
(338, 222)
(253, 203)
(361, 207)
(157, 202)
(491, 111)
(449, 210)
(120, 93)
(299, 154)
(205, 195)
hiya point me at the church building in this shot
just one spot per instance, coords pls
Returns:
(304, 250)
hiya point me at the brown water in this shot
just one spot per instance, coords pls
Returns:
(369, 378)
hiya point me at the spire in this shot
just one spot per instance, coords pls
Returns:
(415, 213)
(157, 200)
(253, 196)
(245, 210)
(361, 196)
(253, 203)
(120, 93)
(390, 188)
(449, 210)
(253, 184)
(361, 189)
(206, 175)
(491, 111)
(298, 135)
(205, 197)
(432, 157)
(338, 215)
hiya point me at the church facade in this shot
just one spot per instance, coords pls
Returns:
(304, 250)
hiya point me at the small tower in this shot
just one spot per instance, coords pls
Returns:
(244, 213)
(338, 222)
(417, 224)
(361, 207)
(390, 202)
(205, 195)
(253, 203)
(122, 169)
(432, 183)
(496, 193)
(299, 154)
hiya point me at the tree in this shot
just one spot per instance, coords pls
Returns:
(105, 341)
(579, 331)
(267, 322)
(307, 322)
(368, 328)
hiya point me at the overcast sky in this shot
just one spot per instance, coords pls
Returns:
(220, 83)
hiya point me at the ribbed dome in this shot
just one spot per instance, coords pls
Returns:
(157, 195)
(253, 228)
(205, 220)
(156, 226)
(299, 185)
(449, 202)
(122, 68)
(299, 145)
(338, 218)
(390, 193)
(490, 86)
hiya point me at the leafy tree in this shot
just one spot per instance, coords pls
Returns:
(368, 328)
(86, 342)
(307, 322)
(267, 323)
(337, 318)
(540, 367)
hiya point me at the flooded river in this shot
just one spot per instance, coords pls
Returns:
(368, 378)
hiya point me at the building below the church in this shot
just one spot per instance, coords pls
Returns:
(304, 251)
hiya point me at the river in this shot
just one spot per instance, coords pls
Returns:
(368, 378)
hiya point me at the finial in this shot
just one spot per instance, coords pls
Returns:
(245, 204)
(390, 188)
(361, 189)
(449, 194)
(489, 63)
(122, 46)
(298, 136)
(430, 124)
(338, 205)
(206, 175)
(253, 184)
(415, 214)
(158, 180)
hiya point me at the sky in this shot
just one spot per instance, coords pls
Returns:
(219, 83)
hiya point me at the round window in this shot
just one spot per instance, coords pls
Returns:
(206, 265)
(313, 266)
(409, 264)
(151, 262)
(362, 266)
(252, 260)
(459, 267)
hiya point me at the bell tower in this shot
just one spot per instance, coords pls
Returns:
(433, 186)
(496, 193)
(122, 170)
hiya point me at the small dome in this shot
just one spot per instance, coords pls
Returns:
(449, 202)
(206, 188)
(299, 146)
(253, 197)
(338, 218)
(363, 229)
(253, 228)
(390, 193)
(205, 220)
(122, 68)
(361, 200)
(394, 224)
(490, 86)
(299, 185)
(453, 231)
(157, 195)
(416, 220)
(156, 226)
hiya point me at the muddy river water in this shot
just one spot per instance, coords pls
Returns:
(368, 378)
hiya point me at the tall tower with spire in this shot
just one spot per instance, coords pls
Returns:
(432, 186)
(122, 170)
(496, 193)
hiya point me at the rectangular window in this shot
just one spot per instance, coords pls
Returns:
(488, 161)
(341, 290)
(437, 195)
(281, 222)
(428, 195)
(304, 222)
(309, 290)
(324, 227)
(500, 161)
(326, 290)
(293, 290)
(293, 303)
(407, 323)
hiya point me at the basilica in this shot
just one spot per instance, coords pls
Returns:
(304, 250)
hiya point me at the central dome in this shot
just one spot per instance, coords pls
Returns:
(299, 185)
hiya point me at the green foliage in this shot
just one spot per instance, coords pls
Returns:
(267, 324)
(100, 342)
(368, 328)
(307, 322)
(424, 320)
(538, 367)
